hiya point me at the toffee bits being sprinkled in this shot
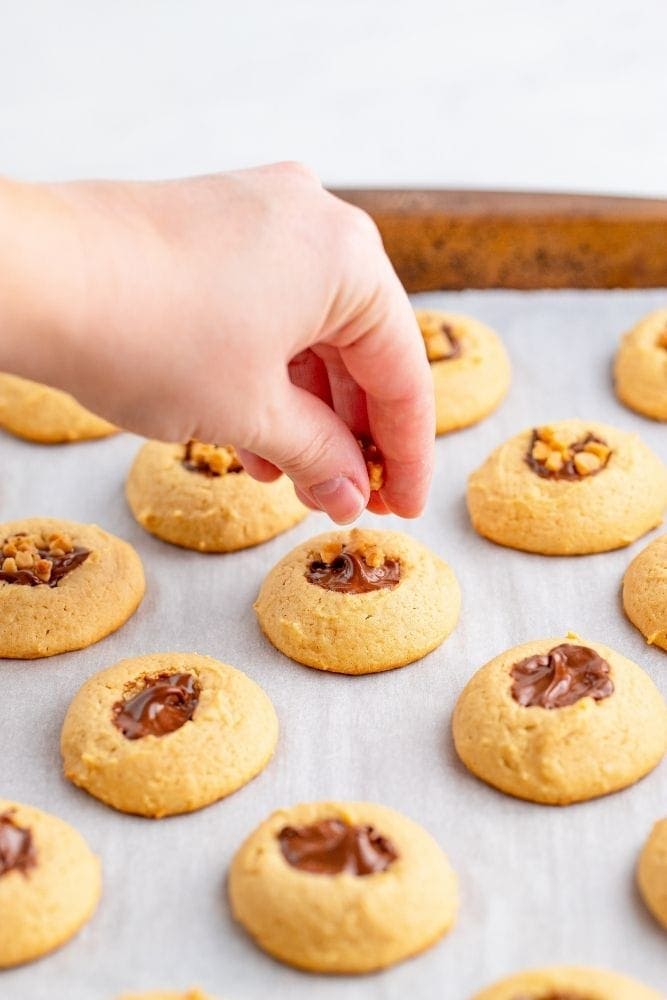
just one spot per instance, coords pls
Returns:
(374, 463)
(333, 846)
(165, 704)
(561, 677)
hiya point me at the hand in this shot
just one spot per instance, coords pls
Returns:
(251, 308)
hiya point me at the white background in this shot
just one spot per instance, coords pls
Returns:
(524, 93)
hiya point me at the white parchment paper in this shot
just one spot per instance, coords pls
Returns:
(538, 884)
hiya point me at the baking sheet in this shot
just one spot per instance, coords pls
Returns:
(538, 884)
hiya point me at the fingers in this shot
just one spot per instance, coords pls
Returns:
(384, 353)
(309, 371)
(258, 468)
(302, 436)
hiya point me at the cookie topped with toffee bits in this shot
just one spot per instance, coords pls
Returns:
(568, 488)
(199, 496)
(345, 601)
(469, 364)
(63, 586)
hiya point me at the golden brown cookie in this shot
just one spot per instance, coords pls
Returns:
(645, 592)
(199, 496)
(39, 413)
(342, 887)
(50, 883)
(167, 733)
(560, 721)
(569, 488)
(358, 601)
(63, 586)
(568, 982)
(470, 367)
(652, 872)
(641, 367)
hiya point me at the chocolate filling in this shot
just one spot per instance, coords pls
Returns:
(561, 677)
(165, 704)
(333, 846)
(17, 848)
(349, 573)
(60, 567)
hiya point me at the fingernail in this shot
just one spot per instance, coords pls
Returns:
(340, 498)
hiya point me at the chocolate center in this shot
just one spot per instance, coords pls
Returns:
(349, 573)
(561, 677)
(332, 846)
(166, 703)
(550, 459)
(453, 344)
(17, 849)
(30, 560)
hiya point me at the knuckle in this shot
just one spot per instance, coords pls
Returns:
(355, 233)
(296, 169)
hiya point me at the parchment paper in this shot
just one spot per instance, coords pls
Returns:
(538, 884)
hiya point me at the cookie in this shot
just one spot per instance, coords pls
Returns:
(358, 601)
(167, 733)
(645, 592)
(63, 586)
(39, 413)
(167, 995)
(560, 721)
(570, 488)
(568, 982)
(640, 370)
(50, 883)
(652, 872)
(200, 497)
(342, 887)
(471, 370)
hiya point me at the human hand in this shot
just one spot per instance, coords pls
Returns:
(252, 308)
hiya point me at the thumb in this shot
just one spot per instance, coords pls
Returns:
(304, 438)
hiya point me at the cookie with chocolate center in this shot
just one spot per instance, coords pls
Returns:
(50, 883)
(469, 364)
(345, 601)
(569, 488)
(560, 721)
(63, 586)
(200, 497)
(167, 733)
(344, 887)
